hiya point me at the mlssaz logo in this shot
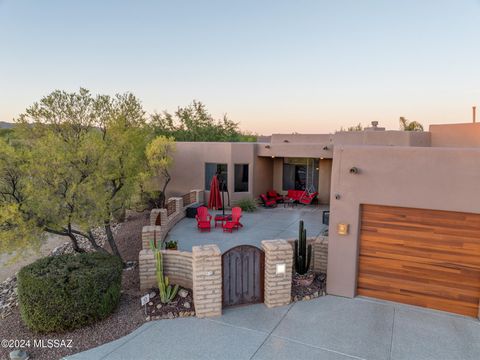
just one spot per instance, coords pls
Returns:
(52, 343)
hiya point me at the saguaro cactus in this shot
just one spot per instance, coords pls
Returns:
(303, 253)
(167, 293)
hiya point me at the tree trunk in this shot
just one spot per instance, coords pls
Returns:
(75, 246)
(111, 240)
(162, 194)
(93, 242)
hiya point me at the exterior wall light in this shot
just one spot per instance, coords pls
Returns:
(267, 146)
(337, 197)
(342, 229)
(325, 148)
(280, 269)
(354, 170)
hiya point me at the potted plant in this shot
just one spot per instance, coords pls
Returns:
(303, 257)
(171, 245)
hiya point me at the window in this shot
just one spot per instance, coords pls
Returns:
(300, 174)
(241, 177)
(220, 170)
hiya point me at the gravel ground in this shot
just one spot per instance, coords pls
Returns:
(127, 317)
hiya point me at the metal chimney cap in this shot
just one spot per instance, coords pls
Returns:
(374, 124)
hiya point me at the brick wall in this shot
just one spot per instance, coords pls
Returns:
(161, 221)
(278, 287)
(177, 265)
(207, 280)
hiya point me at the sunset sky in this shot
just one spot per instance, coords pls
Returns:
(274, 66)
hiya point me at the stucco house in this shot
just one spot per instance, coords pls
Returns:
(405, 206)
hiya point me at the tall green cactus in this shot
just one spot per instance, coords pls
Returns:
(167, 293)
(303, 253)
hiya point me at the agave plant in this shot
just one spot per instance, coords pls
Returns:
(167, 292)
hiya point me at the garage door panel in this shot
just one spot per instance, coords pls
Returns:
(433, 258)
(454, 277)
(419, 300)
(423, 248)
(421, 257)
(429, 283)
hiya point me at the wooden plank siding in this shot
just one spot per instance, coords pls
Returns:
(421, 257)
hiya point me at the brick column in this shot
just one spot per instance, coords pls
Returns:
(150, 233)
(207, 280)
(320, 251)
(199, 196)
(278, 287)
(146, 268)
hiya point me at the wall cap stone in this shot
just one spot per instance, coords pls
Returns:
(205, 250)
(276, 245)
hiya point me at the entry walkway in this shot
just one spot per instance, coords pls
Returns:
(330, 328)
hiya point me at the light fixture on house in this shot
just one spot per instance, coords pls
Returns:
(337, 197)
(354, 170)
(267, 146)
(325, 147)
(280, 269)
(286, 141)
(342, 229)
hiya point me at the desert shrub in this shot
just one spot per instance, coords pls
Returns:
(65, 292)
(247, 205)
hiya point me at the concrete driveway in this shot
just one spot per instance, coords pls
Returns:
(330, 328)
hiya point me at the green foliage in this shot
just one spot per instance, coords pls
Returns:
(61, 293)
(159, 154)
(167, 292)
(194, 123)
(406, 125)
(77, 162)
(247, 204)
(171, 245)
(303, 254)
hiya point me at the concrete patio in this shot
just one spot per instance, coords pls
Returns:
(330, 328)
(263, 224)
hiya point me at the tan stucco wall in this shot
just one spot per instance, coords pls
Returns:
(430, 178)
(263, 173)
(382, 138)
(324, 181)
(278, 175)
(456, 135)
(188, 170)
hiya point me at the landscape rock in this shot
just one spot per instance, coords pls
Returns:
(18, 355)
(186, 305)
(183, 293)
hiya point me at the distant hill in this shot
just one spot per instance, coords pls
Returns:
(6, 125)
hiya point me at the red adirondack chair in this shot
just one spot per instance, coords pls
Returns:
(235, 222)
(204, 219)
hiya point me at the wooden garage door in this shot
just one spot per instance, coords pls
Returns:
(421, 257)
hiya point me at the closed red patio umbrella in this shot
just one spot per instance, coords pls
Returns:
(215, 201)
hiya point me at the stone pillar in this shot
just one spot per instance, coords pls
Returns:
(199, 196)
(146, 268)
(150, 233)
(178, 204)
(278, 287)
(207, 280)
(320, 254)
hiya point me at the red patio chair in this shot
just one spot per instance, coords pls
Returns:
(266, 202)
(204, 219)
(235, 222)
(273, 195)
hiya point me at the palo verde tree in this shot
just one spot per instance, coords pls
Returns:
(80, 158)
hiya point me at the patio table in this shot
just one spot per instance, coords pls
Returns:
(220, 218)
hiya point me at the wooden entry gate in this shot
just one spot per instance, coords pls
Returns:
(243, 275)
